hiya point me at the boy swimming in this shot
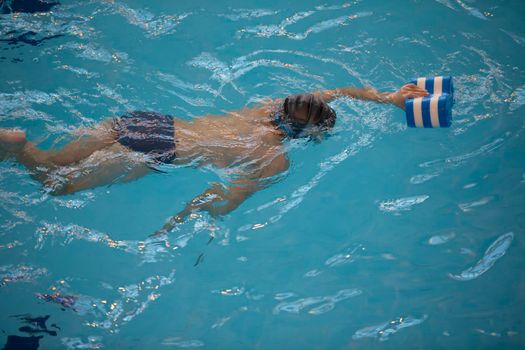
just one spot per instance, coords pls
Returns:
(247, 143)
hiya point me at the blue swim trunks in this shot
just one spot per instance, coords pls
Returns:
(150, 133)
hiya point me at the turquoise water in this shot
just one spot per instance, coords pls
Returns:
(378, 237)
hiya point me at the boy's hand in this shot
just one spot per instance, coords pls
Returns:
(408, 91)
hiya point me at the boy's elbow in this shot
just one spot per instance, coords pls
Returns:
(62, 190)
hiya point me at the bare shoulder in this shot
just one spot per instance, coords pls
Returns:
(264, 108)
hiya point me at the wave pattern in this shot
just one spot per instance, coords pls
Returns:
(327, 303)
(132, 300)
(493, 253)
(451, 189)
(384, 330)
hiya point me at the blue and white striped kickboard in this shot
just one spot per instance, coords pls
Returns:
(435, 110)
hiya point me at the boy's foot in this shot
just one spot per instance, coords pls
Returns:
(11, 142)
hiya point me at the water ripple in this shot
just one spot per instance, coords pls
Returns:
(10, 245)
(233, 291)
(150, 250)
(91, 342)
(327, 302)
(79, 71)
(186, 86)
(154, 26)
(106, 314)
(454, 161)
(326, 166)
(227, 74)
(517, 98)
(401, 204)
(106, 72)
(494, 252)
(240, 14)
(283, 296)
(271, 30)
(20, 273)
(76, 203)
(466, 207)
(95, 52)
(59, 22)
(68, 232)
(384, 330)
(353, 74)
(441, 238)
(181, 343)
(471, 10)
(517, 39)
(422, 178)
(343, 258)
(17, 104)
(447, 3)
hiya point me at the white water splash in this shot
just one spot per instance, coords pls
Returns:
(401, 204)
(441, 239)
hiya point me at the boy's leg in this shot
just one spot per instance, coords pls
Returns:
(11, 142)
(111, 165)
(93, 159)
(27, 153)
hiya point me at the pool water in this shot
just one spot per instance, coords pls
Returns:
(378, 237)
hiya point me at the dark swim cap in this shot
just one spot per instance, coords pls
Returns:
(303, 109)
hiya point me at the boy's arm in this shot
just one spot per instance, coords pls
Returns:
(396, 98)
(370, 94)
(219, 199)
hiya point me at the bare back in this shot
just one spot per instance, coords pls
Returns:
(233, 139)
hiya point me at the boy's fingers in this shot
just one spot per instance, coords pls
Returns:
(413, 91)
(415, 94)
(417, 88)
(421, 91)
(414, 87)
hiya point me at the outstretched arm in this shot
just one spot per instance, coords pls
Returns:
(219, 199)
(370, 94)
(396, 98)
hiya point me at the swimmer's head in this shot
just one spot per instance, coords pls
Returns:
(306, 114)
